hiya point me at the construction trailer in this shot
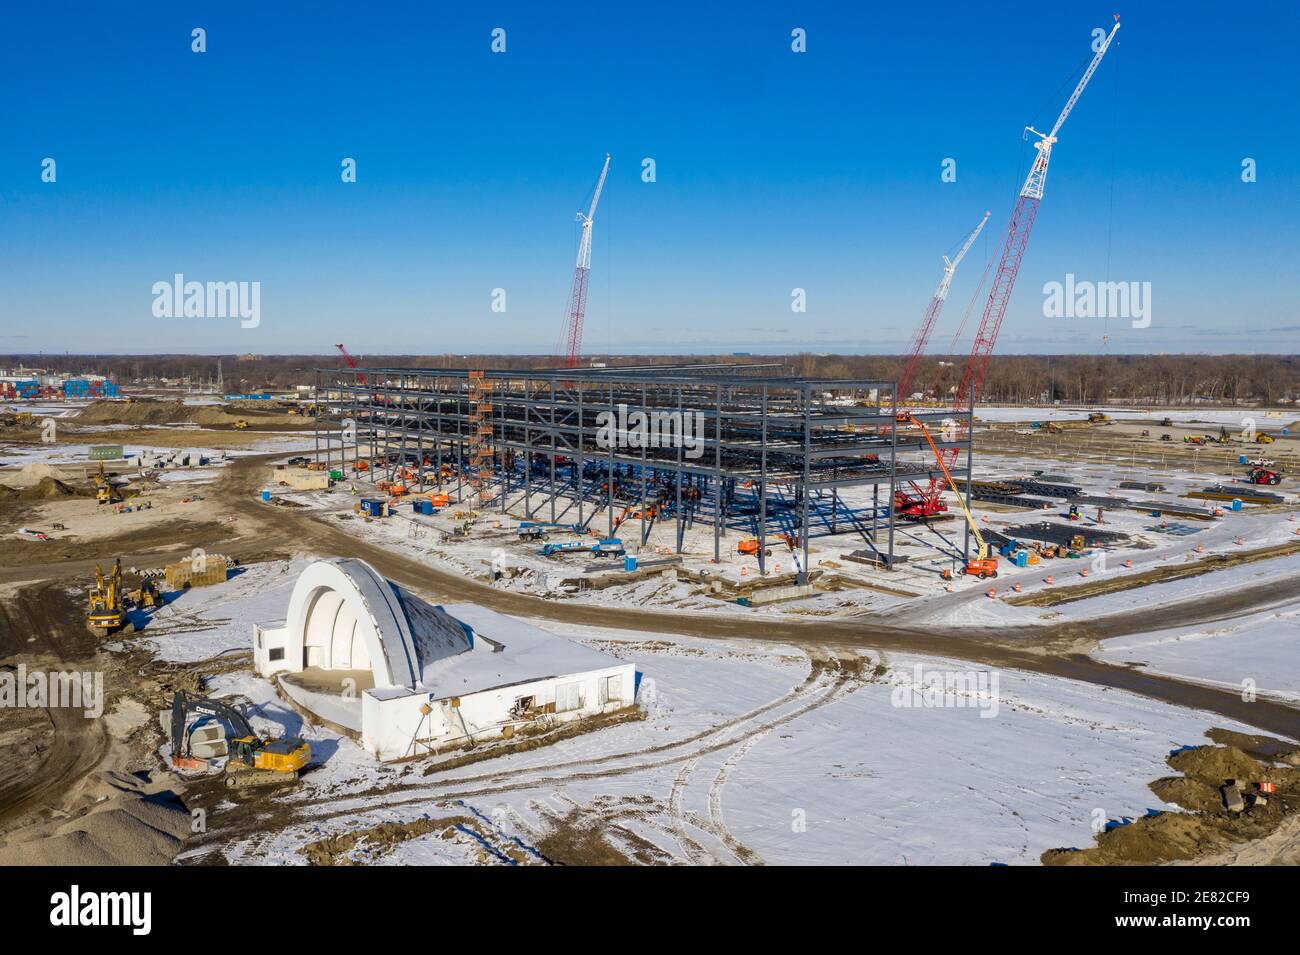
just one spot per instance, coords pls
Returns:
(738, 447)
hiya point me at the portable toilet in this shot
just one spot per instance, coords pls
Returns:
(266, 495)
(1242, 459)
(1236, 503)
(629, 562)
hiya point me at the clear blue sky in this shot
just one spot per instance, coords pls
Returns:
(775, 170)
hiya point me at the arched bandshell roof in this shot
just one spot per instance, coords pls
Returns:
(367, 605)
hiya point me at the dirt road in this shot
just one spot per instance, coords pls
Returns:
(41, 627)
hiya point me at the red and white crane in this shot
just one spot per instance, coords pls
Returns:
(1013, 251)
(578, 296)
(922, 337)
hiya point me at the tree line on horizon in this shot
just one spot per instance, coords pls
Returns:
(1011, 379)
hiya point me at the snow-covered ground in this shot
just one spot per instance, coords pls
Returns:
(749, 752)
(1265, 418)
(1258, 652)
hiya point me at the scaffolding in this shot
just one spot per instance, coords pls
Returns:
(733, 446)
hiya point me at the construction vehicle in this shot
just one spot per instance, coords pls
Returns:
(1166, 422)
(1097, 417)
(105, 492)
(147, 595)
(984, 564)
(922, 336)
(605, 547)
(251, 761)
(749, 545)
(1264, 438)
(577, 307)
(1264, 474)
(1016, 241)
(535, 530)
(1166, 437)
(107, 610)
(241, 425)
(1193, 439)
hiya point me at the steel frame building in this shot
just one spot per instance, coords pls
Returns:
(734, 446)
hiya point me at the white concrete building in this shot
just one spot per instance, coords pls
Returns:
(407, 678)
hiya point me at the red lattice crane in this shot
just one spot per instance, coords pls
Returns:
(922, 337)
(352, 363)
(1013, 251)
(578, 296)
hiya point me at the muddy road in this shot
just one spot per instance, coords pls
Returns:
(42, 627)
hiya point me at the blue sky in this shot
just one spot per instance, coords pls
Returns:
(775, 170)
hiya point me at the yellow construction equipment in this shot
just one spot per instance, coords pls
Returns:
(241, 425)
(984, 564)
(107, 611)
(251, 760)
(147, 596)
(105, 492)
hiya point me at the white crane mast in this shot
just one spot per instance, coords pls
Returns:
(950, 267)
(1037, 178)
(584, 246)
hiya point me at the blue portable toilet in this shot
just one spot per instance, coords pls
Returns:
(1242, 459)
(266, 495)
(629, 562)
(1236, 503)
(1021, 558)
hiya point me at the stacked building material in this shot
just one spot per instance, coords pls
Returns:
(202, 572)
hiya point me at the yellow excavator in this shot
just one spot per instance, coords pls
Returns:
(147, 595)
(251, 761)
(984, 564)
(107, 609)
(105, 492)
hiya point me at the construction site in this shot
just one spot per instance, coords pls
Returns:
(633, 610)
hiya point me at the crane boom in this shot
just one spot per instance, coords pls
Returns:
(578, 294)
(352, 363)
(1013, 252)
(922, 337)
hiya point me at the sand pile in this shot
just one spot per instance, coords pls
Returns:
(31, 473)
(133, 828)
(177, 412)
(134, 412)
(49, 489)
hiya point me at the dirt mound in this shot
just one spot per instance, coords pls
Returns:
(134, 412)
(1215, 764)
(8, 493)
(31, 473)
(130, 829)
(177, 412)
(1206, 828)
(49, 489)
